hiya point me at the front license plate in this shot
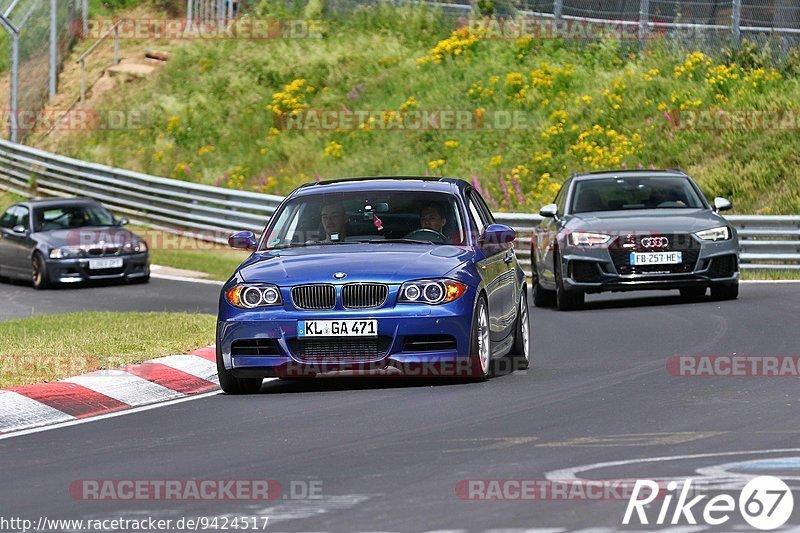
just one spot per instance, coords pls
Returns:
(656, 258)
(102, 264)
(337, 328)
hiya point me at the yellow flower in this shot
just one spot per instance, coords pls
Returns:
(496, 161)
(451, 144)
(410, 103)
(433, 165)
(334, 150)
(205, 150)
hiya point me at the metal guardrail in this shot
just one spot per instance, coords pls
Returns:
(767, 242)
(158, 202)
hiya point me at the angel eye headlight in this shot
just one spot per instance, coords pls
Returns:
(252, 296)
(431, 291)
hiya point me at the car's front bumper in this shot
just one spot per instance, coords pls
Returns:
(134, 266)
(278, 328)
(717, 263)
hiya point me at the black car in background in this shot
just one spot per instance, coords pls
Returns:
(69, 240)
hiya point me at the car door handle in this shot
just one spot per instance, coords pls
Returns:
(509, 257)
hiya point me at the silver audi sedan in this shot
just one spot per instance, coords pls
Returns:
(633, 230)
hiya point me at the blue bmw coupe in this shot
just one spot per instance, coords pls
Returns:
(374, 276)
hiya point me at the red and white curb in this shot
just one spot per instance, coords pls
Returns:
(106, 391)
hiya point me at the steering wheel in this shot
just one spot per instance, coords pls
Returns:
(426, 234)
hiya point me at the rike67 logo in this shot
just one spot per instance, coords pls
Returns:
(765, 502)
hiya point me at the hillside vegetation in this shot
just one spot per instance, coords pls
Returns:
(215, 111)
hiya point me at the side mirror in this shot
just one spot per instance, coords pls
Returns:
(20, 229)
(123, 222)
(549, 211)
(497, 238)
(243, 240)
(722, 204)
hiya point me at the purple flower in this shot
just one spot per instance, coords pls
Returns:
(318, 177)
(507, 199)
(476, 184)
(641, 166)
(187, 169)
(344, 108)
(667, 117)
(624, 164)
(652, 167)
(217, 181)
(520, 196)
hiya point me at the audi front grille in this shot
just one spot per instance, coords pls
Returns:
(675, 242)
(364, 295)
(314, 297)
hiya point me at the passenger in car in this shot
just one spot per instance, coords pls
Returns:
(334, 222)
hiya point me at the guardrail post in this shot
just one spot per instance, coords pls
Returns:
(14, 104)
(83, 80)
(644, 19)
(85, 13)
(558, 8)
(116, 44)
(53, 48)
(736, 22)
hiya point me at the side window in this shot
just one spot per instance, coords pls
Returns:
(7, 220)
(15, 216)
(22, 218)
(561, 198)
(478, 215)
(488, 216)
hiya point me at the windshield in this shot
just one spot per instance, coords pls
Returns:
(629, 193)
(367, 216)
(71, 216)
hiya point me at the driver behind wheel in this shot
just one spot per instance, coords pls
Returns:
(432, 217)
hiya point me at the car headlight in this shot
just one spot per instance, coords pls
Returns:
(583, 238)
(722, 233)
(134, 247)
(431, 291)
(65, 252)
(252, 296)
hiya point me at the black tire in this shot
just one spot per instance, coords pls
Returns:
(230, 384)
(725, 292)
(39, 275)
(566, 300)
(520, 354)
(480, 368)
(541, 296)
(693, 293)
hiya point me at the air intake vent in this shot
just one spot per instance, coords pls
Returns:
(314, 297)
(364, 295)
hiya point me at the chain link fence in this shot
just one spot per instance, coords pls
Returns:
(37, 35)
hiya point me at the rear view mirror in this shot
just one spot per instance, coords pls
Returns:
(549, 211)
(497, 238)
(20, 229)
(722, 204)
(243, 240)
(123, 222)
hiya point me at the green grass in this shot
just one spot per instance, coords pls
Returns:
(166, 249)
(776, 275)
(46, 348)
(586, 107)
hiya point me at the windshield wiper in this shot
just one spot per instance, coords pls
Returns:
(407, 241)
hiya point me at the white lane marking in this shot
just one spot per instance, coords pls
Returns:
(571, 473)
(191, 364)
(188, 280)
(115, 414)
(20, 412)
(125, 387)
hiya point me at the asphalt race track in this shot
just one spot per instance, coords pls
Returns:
(20, 300)
(388, 455)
